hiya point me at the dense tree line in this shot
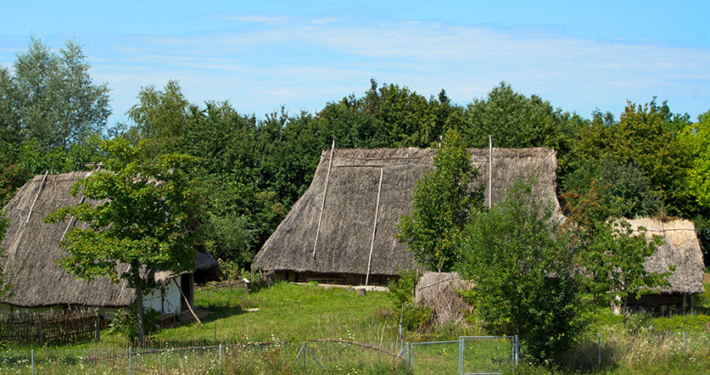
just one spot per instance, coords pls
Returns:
(649, 160)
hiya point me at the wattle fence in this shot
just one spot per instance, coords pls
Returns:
(50, 327)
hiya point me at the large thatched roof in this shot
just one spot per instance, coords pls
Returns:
(680, 248)
(348, 216)
(32, 250)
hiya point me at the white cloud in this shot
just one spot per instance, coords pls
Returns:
(303, 63)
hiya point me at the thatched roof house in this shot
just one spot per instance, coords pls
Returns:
(32, 250)
(344, 225)
(681, 249)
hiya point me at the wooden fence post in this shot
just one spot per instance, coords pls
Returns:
(39, 330)
(98, 326)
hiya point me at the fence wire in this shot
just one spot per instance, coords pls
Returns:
(468, 355)
(316, 356)
(488, 354)
(439, 357)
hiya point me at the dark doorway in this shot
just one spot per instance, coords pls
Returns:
(186, 285)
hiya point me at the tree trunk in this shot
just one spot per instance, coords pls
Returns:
(623, 310)
(139, 308)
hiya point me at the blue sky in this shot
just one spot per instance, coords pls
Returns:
(302, 54)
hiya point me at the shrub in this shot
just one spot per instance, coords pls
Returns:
(402, 297)
(521, 264)
(125, 322)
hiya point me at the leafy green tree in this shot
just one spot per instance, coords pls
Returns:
(10, 136)
(5, 286)
(11, 178)
(290, 149)
(51, 98)
(517, 121)
(230, 237)
(146, 218)
(647, 136)
(697, 136)
(389, 116)
(160, 117)
(522, 265)
(609, 252)
(624, 191)
(442, 205)
(620, 260)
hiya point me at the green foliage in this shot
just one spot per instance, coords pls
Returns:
(521, 263)
(125, 323)
(620, 256)
(146, 216)
(389, 116)
(401, 291)
(416, 317)
(609, 252)
(443, 203)
(682, 322)
(51, 113)
(401, 296)
(160, 117)
(5, 285)
(517, 121)
(702, 300)
(229, 237)
(649, 137)
(698, 137)
(622, 189)
(230, 269)
(50, 98)
(11, 178)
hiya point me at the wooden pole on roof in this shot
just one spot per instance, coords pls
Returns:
(71, 221)
(325, 192)
(490, 171)
(37, 196)
(374, 227)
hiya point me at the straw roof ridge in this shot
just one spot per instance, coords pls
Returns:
(351, 196)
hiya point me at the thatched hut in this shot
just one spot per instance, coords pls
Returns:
(32, 250)
(681, 249)
(342, 229)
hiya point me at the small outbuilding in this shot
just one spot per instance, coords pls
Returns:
(342, 230)
(681, 249)
(39, 283)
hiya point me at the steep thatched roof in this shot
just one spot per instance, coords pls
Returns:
(680, 248)
(32, 250)
(348, 216)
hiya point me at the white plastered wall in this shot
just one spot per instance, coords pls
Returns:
(166, 300)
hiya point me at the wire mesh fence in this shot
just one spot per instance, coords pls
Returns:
(467, 355)
(438, 357)
(488, 354)
(337, 356)
(316, 356)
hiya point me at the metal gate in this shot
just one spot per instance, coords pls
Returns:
(468, 355)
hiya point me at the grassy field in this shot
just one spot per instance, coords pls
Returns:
(285, 312)
(263, 333)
